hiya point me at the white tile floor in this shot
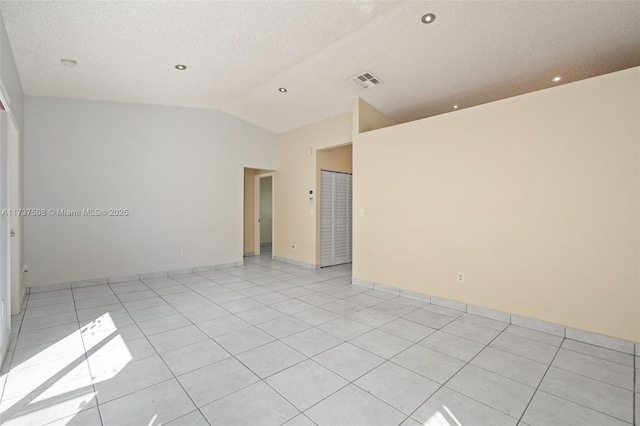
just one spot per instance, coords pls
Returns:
(269, 343)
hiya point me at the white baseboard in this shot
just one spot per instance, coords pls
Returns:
(296, 262)
(126, 278)
(584, 336)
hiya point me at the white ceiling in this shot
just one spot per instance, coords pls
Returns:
(239, 53)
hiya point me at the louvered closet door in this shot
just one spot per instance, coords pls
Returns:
(327, 196)
(341, 219)
(335, 218)
(350, 220)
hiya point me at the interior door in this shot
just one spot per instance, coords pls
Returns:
(327, 197)
(15, 222)
(5, 270)
(335, 218)
(341, 219)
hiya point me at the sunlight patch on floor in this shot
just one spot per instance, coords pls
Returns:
(109, 360)
(70, 346)
(57, 381)
(439, 419)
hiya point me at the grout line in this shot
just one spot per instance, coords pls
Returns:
(311, 359)
(587, 407)
(541, 380)
(597, 356)
(456, 373)
(86, 359)
(307, 358)
(389, 360)
(24, 313)
(174, 377)
(377, 366)
(506, 330)
(635, 384)
(238, 360)
(555, 366)
(189, 413)
(349, 382)
(592, 378)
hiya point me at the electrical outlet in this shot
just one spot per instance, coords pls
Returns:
(293, 246)
(461, 277)
(183, 252)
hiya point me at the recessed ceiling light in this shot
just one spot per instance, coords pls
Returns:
(68, 62)
(428, 18)
(181, 67)
(282, 90)
(455, 107)
(556, 79)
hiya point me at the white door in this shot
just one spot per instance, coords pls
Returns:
(327, 198)
(5, 270)
(335, 218)
(15, 222)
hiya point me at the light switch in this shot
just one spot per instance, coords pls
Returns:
(361, 212)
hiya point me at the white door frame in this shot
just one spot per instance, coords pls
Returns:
(256, 204)
(15, 222)
(5, 246)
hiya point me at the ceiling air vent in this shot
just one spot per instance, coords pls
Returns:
(365, 81)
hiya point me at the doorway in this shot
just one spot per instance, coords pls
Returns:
(339, 161)
(336, 231)
(258, 212)
(263, 225)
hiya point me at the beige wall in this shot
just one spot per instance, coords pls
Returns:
(294, 219)
(535, 198)
(336, 160)
(367, 118)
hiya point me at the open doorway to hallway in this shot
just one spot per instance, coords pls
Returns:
(258, 212)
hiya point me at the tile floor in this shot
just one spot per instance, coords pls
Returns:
(269, 343)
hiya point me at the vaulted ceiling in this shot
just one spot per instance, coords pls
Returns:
(239, 53)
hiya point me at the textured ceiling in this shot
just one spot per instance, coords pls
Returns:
(239, 53)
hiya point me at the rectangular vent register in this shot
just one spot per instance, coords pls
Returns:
(365, 80)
